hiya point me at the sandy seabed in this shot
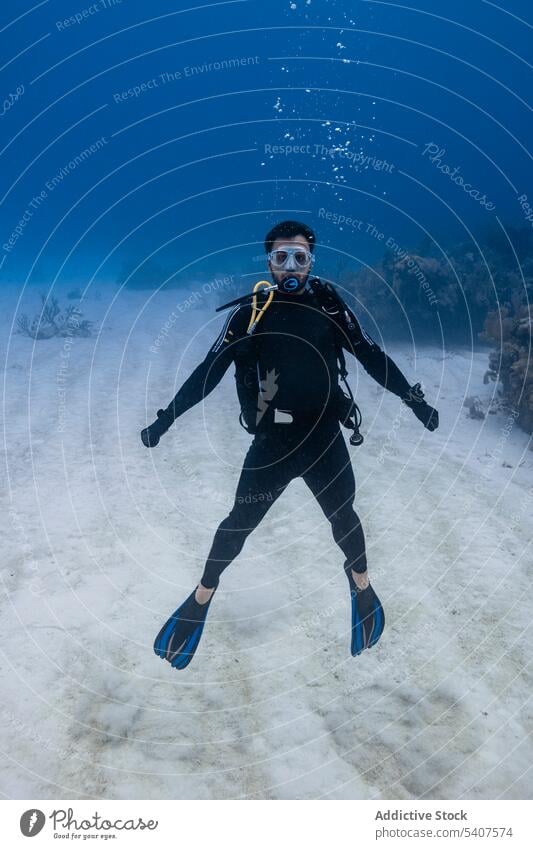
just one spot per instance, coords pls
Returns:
(104, 538)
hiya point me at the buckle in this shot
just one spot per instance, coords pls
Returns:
(283, 416)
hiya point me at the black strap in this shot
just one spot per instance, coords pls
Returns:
(354, 422)
(343, 371)
(330, 299)
(332, 305)
(356, 418)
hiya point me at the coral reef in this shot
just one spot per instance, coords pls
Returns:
(469, 292)
(510, 327)
(475, 407)
(52, 321)
(416, 291)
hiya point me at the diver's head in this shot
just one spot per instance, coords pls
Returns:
(289, 247)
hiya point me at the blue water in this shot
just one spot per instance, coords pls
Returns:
(169, 137)
(181, 132)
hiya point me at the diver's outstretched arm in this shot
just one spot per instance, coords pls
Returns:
(200, 383)
(385, 371)
(373, 359)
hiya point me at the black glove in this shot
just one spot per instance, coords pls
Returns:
(152, 434)
(424, 413)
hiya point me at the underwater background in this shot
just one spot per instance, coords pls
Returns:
(146, 150)
(152, 143)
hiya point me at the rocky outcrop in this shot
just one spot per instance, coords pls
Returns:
(511, 328)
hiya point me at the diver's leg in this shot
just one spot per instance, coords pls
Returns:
(263, 478)
(261, 483)
(330, 478)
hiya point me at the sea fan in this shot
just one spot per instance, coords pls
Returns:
(51, 321)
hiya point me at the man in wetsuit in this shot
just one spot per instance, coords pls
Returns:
(287, 381)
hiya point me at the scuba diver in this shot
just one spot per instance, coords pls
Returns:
(287, 343)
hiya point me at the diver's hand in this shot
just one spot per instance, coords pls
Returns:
(424, 413)
(152, 434)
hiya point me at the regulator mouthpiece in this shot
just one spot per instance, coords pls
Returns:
(290, 284)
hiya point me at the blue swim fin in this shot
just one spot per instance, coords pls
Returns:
(368, 617)
(178, 639)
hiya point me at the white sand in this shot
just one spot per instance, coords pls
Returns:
(104, 538)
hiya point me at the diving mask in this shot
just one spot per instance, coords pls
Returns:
(290, 258)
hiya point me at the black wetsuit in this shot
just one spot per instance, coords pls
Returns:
(289, 365)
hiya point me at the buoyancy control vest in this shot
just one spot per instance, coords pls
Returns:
(257, 390)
